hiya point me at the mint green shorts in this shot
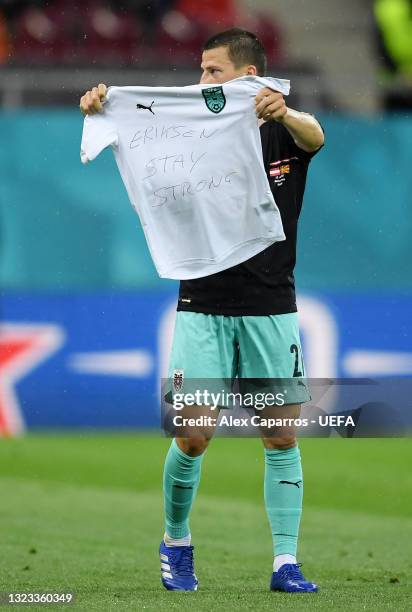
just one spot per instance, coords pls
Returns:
(215, 349)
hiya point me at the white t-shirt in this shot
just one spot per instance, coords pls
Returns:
(191, 160)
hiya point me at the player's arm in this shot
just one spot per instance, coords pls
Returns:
(304, 129)
(91, 102)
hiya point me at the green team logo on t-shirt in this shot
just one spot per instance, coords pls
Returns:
(214, 98)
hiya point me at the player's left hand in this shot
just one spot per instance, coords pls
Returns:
(270, 105)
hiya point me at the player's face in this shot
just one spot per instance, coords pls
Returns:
(218, 68)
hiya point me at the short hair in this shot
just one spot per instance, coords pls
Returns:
(243, 48)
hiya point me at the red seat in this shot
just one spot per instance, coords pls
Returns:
(110, 36)
(38, 37)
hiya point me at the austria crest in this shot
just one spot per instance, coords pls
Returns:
(214, 98)
(178, 380)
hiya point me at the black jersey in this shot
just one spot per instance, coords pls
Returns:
(264, 284)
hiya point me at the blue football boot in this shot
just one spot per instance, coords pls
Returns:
(289, 579)
(177, 568)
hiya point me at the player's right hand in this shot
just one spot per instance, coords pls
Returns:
(91, 102)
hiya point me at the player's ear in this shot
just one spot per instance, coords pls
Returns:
(251, 70)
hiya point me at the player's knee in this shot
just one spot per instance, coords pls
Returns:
(193, 446)
(280, 442)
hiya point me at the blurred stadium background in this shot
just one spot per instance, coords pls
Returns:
(85, 322)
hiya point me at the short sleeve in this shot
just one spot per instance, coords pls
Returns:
(289, 147)
(255, 83)
(99, 132)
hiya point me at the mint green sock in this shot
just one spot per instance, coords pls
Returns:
(283, 491)
(181, 479)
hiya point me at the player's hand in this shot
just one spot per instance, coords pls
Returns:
(270, 105)
(91, 102)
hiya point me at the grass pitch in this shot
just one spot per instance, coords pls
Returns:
(83, 513)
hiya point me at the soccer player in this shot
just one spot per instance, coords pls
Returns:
(243, 321)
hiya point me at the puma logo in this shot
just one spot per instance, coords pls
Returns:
(149, 108)
(288, 482)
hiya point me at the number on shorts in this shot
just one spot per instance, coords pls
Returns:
(295, 349)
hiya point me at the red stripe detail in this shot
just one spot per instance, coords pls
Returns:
(13, 348)
(4, 429)
(282, 161)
